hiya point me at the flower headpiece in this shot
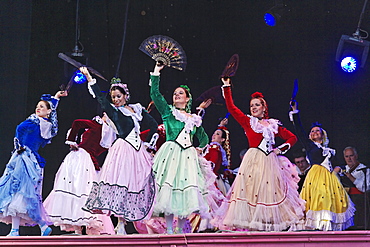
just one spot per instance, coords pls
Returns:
(316, 124)
(48, 98)
(116, 82)
(258, 95)
(188, 105)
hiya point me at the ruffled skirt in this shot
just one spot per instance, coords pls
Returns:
(126, 185)
(264, 195)
(328, 206)
(72, 185)
(182, 188)
(20, 190)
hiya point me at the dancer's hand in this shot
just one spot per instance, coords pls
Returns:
(73, 147)
(199, 150)
(226, 81)
(86, 72)
(61, 94)
(205, 103)
(224, 122)
(277, 151)
(21, 150)
(294, 105)
(158, 67)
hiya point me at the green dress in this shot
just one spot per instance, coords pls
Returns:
(181, 184)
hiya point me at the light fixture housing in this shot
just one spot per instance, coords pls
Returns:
(352, 52)
(273, 15)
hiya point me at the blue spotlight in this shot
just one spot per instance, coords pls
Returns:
(348, 64)
(79, 78)
(273, 15)
(270, 19)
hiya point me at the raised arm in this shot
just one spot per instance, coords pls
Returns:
(158, 99)
(53, 117)
(95, 91)
(239, 116)
(301, 134)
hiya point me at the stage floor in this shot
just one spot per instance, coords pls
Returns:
(252, 239)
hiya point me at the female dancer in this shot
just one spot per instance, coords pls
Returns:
(75, 177)
(263, 196)
(21, 183)
(218, 152)
(126, 186)
(181, 184)
(328, 206)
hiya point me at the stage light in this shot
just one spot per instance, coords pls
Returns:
(274, 14)
(348, 64)
(79, 78)
(352, 52)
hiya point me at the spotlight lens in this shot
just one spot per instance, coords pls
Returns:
(349, 64)
(270, 19)
(79, 78)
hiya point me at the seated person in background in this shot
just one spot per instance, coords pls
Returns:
(353, 176)
(302, 166)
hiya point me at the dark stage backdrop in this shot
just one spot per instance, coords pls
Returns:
(302, 46)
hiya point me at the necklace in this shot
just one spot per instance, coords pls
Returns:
(180, 109)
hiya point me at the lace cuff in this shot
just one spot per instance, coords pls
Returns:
(71, 143)
(201, 112)
(291, 114)
(89, 84)
(153, 141)
(284, 148)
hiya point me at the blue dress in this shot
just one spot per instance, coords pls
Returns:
(21, 182)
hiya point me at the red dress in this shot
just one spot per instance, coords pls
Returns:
(214, 155)
(74, 180)
(91, 138)
(264, 194)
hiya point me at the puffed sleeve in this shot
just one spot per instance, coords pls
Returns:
(76, 126)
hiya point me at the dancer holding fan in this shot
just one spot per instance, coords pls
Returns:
(264, 195)
(181, 184)
(21, 183)
(328, 206)
(126, 186)
(182, 188)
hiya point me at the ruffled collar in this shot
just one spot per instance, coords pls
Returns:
(136, 115)
(189, 120)
(268, 132)
(44, 124)
(326, 151)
